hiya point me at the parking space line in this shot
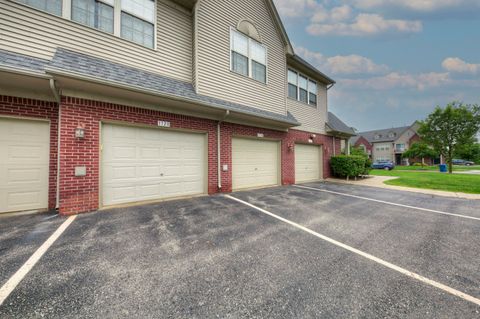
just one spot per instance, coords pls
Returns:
(387, 203)
(12, 283)
(382, 262)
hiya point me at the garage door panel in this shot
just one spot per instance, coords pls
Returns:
(22, 176)
(24, 164)
(125, 152)
(22, 199)
(160, 164)
(149, 171)
(150, 152)
(255, 163)
(308, 163)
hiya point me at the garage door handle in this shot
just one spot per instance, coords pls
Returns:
(256, 169)
(161, 174)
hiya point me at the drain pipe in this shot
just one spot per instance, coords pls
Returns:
(333, 139)
(219, 165)
(54, 89)
(56, 95)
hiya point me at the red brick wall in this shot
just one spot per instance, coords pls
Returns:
(415, 138)
(23, 107)
(363, 141)
(81, 194)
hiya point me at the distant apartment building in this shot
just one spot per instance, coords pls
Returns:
(389, 144)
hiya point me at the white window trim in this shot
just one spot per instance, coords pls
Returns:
(117, 15)
(250, 74)
(298, 88)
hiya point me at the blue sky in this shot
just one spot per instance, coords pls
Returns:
(393, 60)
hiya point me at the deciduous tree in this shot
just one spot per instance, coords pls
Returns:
(447, 129)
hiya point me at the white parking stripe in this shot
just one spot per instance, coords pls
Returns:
(366, 255)
(388, 203)
(12, 283)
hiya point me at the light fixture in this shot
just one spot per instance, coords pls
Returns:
(80, 132)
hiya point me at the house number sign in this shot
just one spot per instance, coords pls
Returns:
(164, 123)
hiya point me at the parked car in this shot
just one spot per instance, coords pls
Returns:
(387, 165)
(462, 162)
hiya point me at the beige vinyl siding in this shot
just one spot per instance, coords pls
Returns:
(405, 138)
(312, 119)
(35, 33)
(194, 47)
(385, 154)
(214, 78)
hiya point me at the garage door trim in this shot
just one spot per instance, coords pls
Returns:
(46, 121)
(147, 126)
(279, 158)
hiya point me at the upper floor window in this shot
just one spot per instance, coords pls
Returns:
(94, 13)
(133, 20)
(50, 6)
(248, 57)
(400, 147)
(138, 17)
(301, 88)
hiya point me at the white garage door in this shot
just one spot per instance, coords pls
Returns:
(308, 163)
(24, 160)
(142, 164)
(255, 163)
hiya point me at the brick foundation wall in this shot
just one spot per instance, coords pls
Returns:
(30, 108)
(81, 194)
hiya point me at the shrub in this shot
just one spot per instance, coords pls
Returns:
(368, 166)
(417, 164)
(348, 166)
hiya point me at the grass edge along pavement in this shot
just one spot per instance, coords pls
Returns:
(460, 183)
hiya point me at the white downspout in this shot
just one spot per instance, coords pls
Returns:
(58, 100)
(219, 150)
(333, 139)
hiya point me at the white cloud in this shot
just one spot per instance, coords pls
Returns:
(414, 5)
(297, 8)
(366, 25)
(342, 64)
(336, 14)
(395, 80)
(457, 65)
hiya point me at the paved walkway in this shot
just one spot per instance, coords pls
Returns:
(472, 172)
(378, 181)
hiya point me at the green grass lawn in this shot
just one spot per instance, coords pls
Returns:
(435, 168)
(430, 180)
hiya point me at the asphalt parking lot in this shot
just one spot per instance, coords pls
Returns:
(213, 257)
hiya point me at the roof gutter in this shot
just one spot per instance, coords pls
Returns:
(21, 71)
(117, 84)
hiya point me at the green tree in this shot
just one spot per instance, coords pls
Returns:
(357, 151)
(469, 152)
(447, 129)
(420, 150)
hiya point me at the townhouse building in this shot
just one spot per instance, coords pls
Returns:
(390, 144)
(115, 102)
